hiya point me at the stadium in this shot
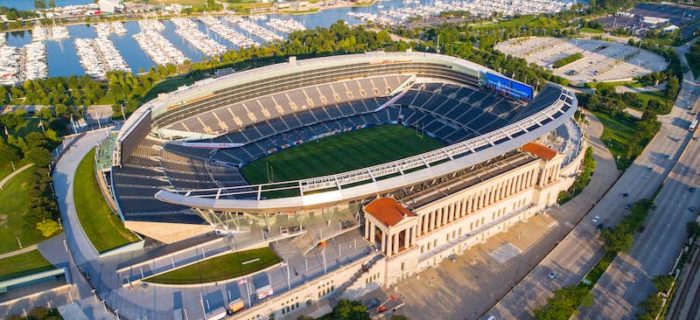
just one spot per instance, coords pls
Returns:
(409, 156)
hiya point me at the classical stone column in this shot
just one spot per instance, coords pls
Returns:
(367, 230)
(396, 243)
(414, 235)
(388, 244)
(372, 231)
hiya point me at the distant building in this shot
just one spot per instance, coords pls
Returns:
(655, 20)
(110, 6)
(670, 28)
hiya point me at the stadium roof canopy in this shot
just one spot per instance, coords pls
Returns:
(552, 107)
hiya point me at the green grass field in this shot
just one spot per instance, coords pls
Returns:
(220, 268)
(340, 153)
(13, 208)
(103, 228)
(617, 134)
(23, 264)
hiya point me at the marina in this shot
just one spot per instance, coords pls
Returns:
(238, 39)
(34, 66)
(9, 65)
(477, 8)
(195, 40)
(20, 64)
(159, 49)
(153, 25)
(259, 31)
(99, 56)
(41, 33)
(188, 30)
(285, 26)
(107, 28)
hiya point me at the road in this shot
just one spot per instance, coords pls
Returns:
(577, 254)
(627, 282)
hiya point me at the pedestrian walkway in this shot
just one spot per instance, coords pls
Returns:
(9, 177)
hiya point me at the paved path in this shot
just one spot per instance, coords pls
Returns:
(81, 250)
(14, 173)
(576, 255)
(18, 252)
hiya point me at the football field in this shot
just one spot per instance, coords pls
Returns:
(340, 153)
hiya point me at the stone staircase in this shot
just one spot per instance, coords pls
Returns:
(365, 268)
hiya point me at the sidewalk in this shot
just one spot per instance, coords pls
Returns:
(7, 179)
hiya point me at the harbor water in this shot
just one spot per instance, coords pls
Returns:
(63, 60)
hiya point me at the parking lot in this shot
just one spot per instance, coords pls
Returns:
(602, 61)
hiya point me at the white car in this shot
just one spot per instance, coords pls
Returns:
(596, 219)
(552, 275)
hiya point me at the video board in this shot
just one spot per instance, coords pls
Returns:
(512, 88)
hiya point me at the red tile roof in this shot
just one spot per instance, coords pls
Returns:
(388, 211)
(539, 150)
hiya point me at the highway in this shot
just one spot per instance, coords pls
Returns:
(627, 282)
(581, 249)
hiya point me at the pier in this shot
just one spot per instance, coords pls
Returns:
(227, 33)
(285, 26)
(98, 56)
(188, 30)
(159, 49)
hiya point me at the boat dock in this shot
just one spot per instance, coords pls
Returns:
(107, 28)
(227, 33)
(188, 30)
(9, 65)
(41, 33)
(98, 56)
(257, 30)
(159, 49)
(151, 24)
(285, 26)
(33, 60)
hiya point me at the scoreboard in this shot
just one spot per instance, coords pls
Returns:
(509, 87)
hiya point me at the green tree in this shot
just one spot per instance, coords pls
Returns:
(693, 229)
(350, 310)
(616, 240)
(39, 4)
(39, 156)
(672, 87)
(48, 227)
(8, 152)
(564, 303)
(663, 283)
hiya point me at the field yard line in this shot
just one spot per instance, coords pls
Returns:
(16, 172)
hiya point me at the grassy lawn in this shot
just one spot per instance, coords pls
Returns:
(617, 134)
(530, 21)
(103, 228)
(591, 30)
(339, 153)
(220, 268)
(6, 167)
(13, 208)
(23, 264)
